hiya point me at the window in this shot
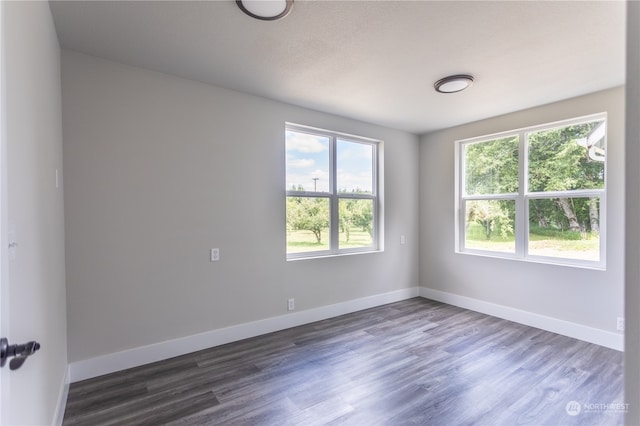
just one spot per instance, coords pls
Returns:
(538, 193)
(331, 193)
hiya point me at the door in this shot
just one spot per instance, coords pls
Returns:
(32, 213)
(4, 301)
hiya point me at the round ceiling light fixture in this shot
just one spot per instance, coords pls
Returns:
(266, 10)
(453, 83)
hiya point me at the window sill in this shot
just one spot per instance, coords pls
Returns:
(596, 266)
(312, 256)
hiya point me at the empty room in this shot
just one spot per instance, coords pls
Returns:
(310, 212)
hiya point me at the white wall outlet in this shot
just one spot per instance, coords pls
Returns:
(291, 304)
(215, 254)
(620, 324)
(402, 239)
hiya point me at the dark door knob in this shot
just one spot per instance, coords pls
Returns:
(20, 353)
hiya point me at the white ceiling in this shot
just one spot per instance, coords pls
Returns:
(370, 60)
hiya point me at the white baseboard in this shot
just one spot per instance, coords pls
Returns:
(62, 399)
(105, 364)
(566, 328)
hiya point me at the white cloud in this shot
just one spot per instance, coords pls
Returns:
(300, 163)
(350, 181)
(308, 144)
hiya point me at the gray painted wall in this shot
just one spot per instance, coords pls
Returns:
(588, 297)
(632, 294)
(159, 169)
(36, 278)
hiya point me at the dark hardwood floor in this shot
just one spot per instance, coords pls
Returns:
(412, 362)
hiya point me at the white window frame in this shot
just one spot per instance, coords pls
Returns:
(334, 196)
(522, 197)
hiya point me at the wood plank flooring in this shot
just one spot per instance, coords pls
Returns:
(413, 362)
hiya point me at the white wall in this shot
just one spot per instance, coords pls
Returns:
(35, 207)
(159, 169)
(565, 295)
(632, 294)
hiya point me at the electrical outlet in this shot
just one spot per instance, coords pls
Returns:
(215, 254)
(620, 324)
(291, 304)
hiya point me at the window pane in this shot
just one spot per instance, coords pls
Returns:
(354, 167)
(356, 223)
(489, 225)
(307, 224)
(491, 167)
(307, 162)
(565, 227)
(567, 158)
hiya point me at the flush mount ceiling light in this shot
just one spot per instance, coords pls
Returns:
(266, 10)
(453, 83)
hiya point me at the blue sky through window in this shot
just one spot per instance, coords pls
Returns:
(355, 167)
(307, 163)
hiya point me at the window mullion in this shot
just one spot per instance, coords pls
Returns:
(510, 196)
(567, 194)
(334, 203)
(357, 196)
(522, 214)
(376, 193)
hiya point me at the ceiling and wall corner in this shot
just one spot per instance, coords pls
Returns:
(371, 61)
